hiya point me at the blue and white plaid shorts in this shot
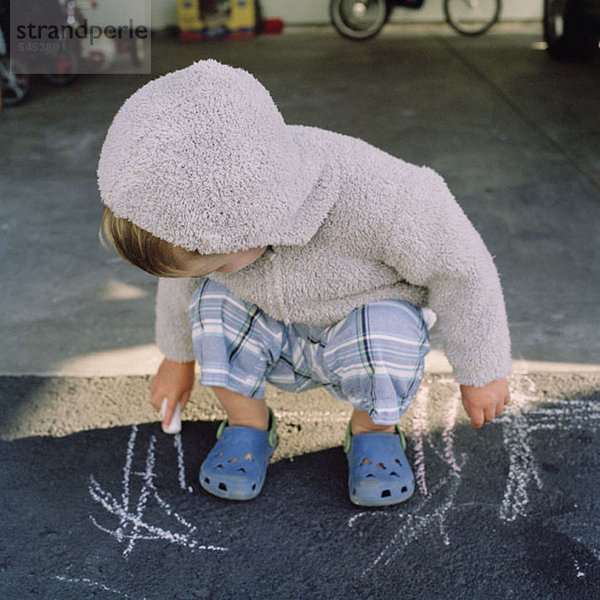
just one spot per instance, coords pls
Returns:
(373, 358)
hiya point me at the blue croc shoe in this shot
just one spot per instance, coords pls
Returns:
(236, 466)
(378, 471)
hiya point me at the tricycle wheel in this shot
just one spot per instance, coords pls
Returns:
(359, 19)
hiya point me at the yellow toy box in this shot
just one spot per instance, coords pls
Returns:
(207, 19)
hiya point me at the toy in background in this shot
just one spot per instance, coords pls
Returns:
(104, 52)
(64, 66)
(208, 19)
(16, 84)
(60, 64)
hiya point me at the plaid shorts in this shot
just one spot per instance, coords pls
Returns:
(373, 358)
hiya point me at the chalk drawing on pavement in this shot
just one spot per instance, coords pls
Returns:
(436, 500)
(138, 493)
(181, 464)
(86, 582)
(524, 416)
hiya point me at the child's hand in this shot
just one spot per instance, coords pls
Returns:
(484, 403)
(173, 381)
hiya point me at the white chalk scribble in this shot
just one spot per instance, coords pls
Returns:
(132, 525)
(181, 463)
(524, 416)
(437, 500)
(85, 581)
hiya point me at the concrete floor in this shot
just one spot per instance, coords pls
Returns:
(510, 511)
(515, 134)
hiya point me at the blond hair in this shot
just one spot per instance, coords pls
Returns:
(146, 251)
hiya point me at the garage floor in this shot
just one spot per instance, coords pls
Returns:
(97, 502)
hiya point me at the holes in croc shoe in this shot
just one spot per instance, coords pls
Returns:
(369, 475)
(206, 480)
(386, 493)
(249, 456)
(380, 466)
(404, 489)
(234, 460)
(394, 474)
(242, 469)
(397, 461)
(253, 486)
(365, 461)
(223, 486)
(220, 453)
(220, 467)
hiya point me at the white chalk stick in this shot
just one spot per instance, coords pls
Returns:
(175, 426)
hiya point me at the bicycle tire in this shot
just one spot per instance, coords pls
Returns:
(348, 22)
(567, 32)
(479, 27)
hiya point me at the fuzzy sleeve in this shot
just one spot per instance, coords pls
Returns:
(430, 241)
(173, 328)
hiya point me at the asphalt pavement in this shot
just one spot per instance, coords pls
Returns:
(97, 502)
(116, 511)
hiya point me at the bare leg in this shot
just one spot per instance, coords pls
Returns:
(243, 411)
(361, 423)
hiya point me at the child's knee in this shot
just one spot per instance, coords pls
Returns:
(220, 319)
(234, 342)
(213, 302)
(377, 355)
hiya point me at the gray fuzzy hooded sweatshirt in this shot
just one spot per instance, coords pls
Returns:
(203, 159)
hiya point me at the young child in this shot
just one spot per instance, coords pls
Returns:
(304, 258)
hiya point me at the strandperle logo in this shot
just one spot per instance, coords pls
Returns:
(94, 32)
(71, 37)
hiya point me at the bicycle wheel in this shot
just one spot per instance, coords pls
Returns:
(472, 17)
(567, 31)
(359, 19)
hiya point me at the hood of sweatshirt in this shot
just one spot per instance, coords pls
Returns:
(202, 158)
